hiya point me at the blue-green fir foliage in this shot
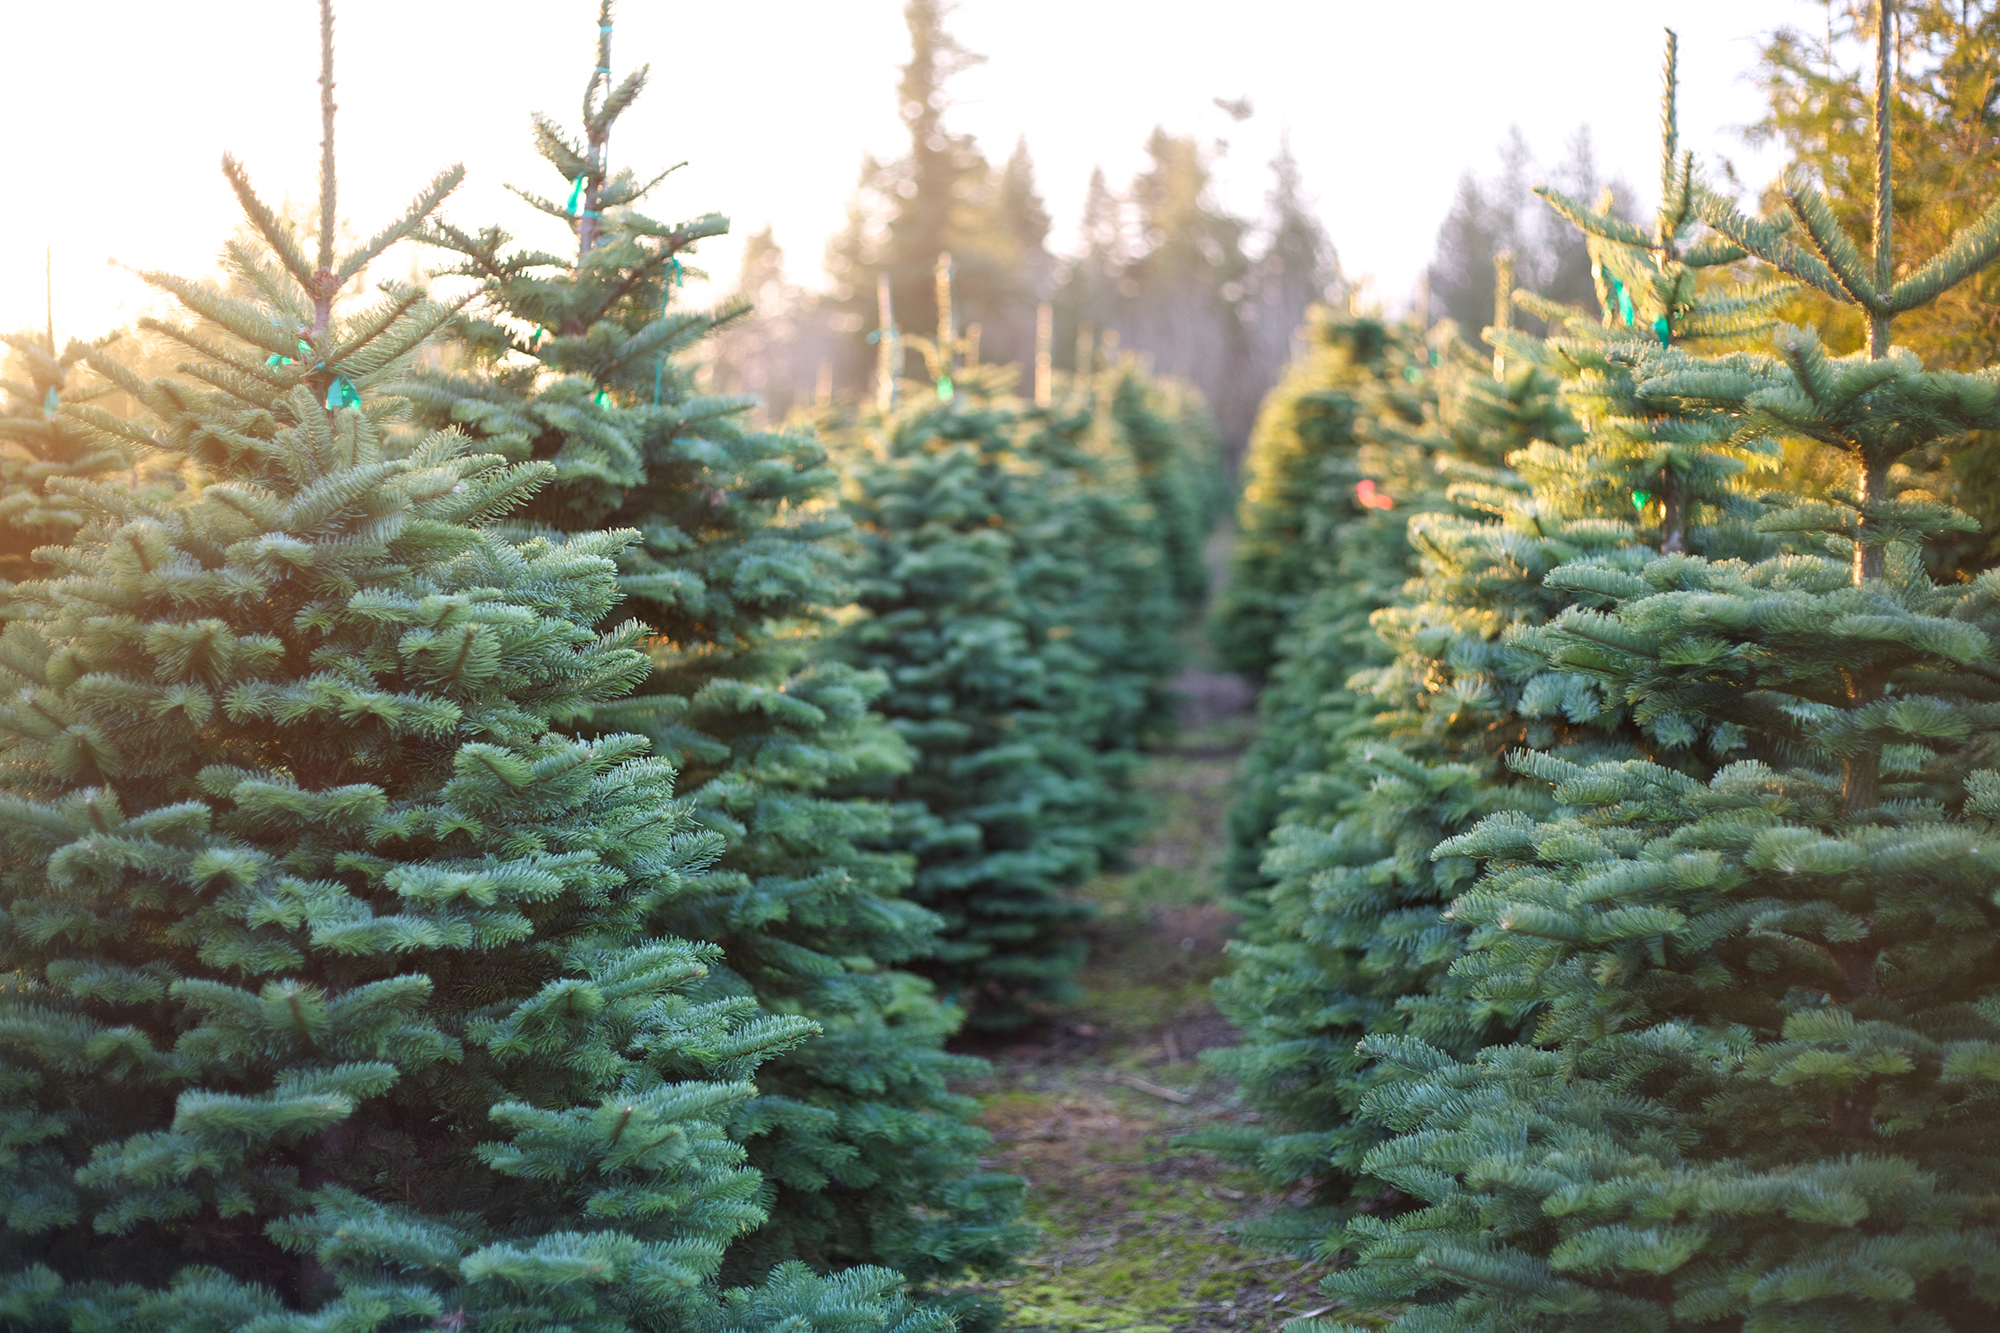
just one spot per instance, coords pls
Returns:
(579, 359)
(1173, 444)
(1762, 1082)
(1353, 945)
(1298, 483)
(334, 998)
(39, 445)
(1343, 441)
(1019, 602)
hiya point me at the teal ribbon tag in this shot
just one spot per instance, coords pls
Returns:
(1640, 499)
(342, 393)
(945, 391)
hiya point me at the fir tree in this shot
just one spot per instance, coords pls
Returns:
(869, 1156)
(1019, 604)
(1172, 443)
(1346, 560)
(1294, 495)
(1497, 215)
(1762, 1076)
(1352, 946)
(336, 1002)
(1947, 108)
(39, 444)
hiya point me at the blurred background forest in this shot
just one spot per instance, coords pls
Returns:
(1161, 266)
(1199, 246)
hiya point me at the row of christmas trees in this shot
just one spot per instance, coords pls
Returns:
(1624, 841)
(493, 840)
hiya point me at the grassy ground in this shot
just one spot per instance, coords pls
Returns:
(1136, 1236)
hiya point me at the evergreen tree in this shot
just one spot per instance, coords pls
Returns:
(1497, 215)
(1298, 486)
(1020, 606)
(1345, 558)
(944, 197)
(39, 444)
(1352, 944)
(1091, 295)
(868, 1155)
(1174, 450)
(336, 1002)
(1295, 270)
(1762, 1073)
(1382, 733)
(1947, 111)
(1172, 281)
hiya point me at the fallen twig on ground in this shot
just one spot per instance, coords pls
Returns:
(1172, 1095)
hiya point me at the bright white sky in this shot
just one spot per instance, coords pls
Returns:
(774, 102)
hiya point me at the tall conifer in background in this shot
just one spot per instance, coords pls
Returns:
(335, 1001)
(580, 360)
(1295, 269)
(1177, 277)
(1763, 1080)
(1495, 215)
(943, 196)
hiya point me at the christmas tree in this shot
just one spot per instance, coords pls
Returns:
(1292, 502)
(1948, 80)
(580, 360)
(1019, 602)
(1352, 945)
(1338, 471)
(337, 1002)
(1172, 442)
(39, 444)
(1761, 1077)
(1389, 726)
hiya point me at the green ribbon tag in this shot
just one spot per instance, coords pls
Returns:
(603, 399)
(945, 391)
(1412, 374)
(1624, 304)
(680, 279)
(1640, 499)
(51, 401)
(1663, 331)
(275, 360)
(576, 196)
(341, 393)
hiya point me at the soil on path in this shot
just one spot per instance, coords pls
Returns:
(1139, 1236)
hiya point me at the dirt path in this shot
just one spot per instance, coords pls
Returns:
(1137, 1235)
